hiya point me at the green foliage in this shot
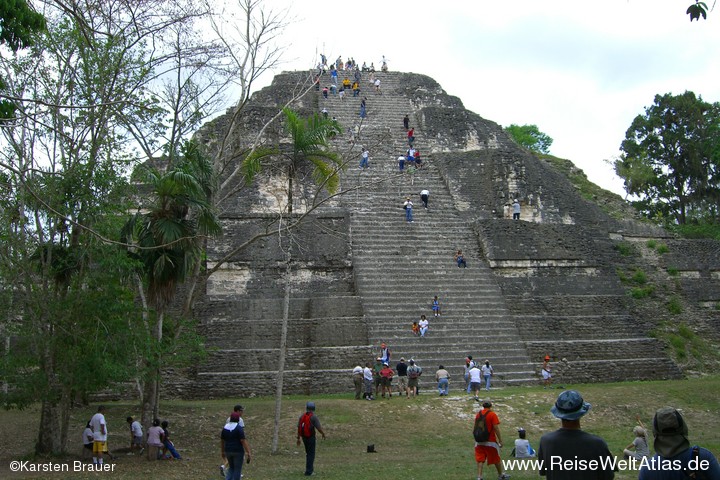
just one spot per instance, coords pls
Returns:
(18, 25)
(530, 137)
(697, 10)
(624, 248)
(671, 158)
(639, 293)
(697, 230)
(672, 271)
(639, 277)
(674, 306)
(167, 237)
(651, 244)
(688, 346)
(662, 248)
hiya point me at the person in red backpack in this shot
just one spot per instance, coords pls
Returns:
(307, 425)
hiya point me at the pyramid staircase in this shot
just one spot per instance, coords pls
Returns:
(400, 267)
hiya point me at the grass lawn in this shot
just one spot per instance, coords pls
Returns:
(424, 438)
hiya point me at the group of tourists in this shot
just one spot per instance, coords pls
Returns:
(569, 453)
(157, 443)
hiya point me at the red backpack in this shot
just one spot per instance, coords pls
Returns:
(305, 426)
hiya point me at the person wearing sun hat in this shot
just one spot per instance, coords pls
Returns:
(567, 453)
(675, 458)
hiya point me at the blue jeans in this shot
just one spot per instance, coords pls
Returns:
(235, 463)
(487, 382)
(309, 454)
(443, 386)
(408, 214)
(171, 448)
(363, 162)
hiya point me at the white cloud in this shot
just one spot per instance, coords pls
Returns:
(581, 71)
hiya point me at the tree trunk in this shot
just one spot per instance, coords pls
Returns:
(282, 353)
(151, 390)
(54, 421)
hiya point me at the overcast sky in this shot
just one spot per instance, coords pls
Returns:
(579, 70)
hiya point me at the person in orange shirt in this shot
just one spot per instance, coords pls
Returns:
(489, 451)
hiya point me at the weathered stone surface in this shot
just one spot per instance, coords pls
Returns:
(544, 285)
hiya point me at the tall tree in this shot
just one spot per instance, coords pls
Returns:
(62, 180)
(671, 158)
(78, 95)
(310, 146)
(530, 137)
(167, 239)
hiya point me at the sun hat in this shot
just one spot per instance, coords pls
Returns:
(670, 431)
(570, 406)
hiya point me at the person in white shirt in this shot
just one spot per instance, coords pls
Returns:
(424, 324)
(475, 380)
(358, 376)
(425, 196)
(368, 381)
(99, 428)
(136, 434)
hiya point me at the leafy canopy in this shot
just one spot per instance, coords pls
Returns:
(530, 137)
(671, 158)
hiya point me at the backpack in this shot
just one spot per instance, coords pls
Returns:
(480, 430)
(305, 427)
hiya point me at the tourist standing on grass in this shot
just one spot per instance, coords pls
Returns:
(475, 376)
(357, 375)
(368, 381)
(234, 447)
(489, 450)
(571, 444)
(307, 425)
(136, 434)
(386, 375)
(413, 373)
(401, 368)
(672, 447)
(100, 432)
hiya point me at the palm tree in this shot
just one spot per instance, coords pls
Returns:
(168, 239)
(310, 144)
